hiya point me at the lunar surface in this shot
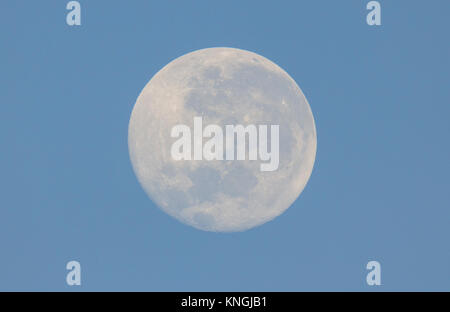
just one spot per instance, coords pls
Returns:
(224, 86)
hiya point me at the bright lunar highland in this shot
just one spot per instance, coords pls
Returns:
(224, 86)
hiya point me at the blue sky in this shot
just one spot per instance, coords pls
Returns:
(379, 190)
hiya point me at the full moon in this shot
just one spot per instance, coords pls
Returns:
(224, 86)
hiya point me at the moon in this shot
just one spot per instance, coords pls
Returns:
(225, 86)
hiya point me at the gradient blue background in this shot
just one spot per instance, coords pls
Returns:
(380, 186)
